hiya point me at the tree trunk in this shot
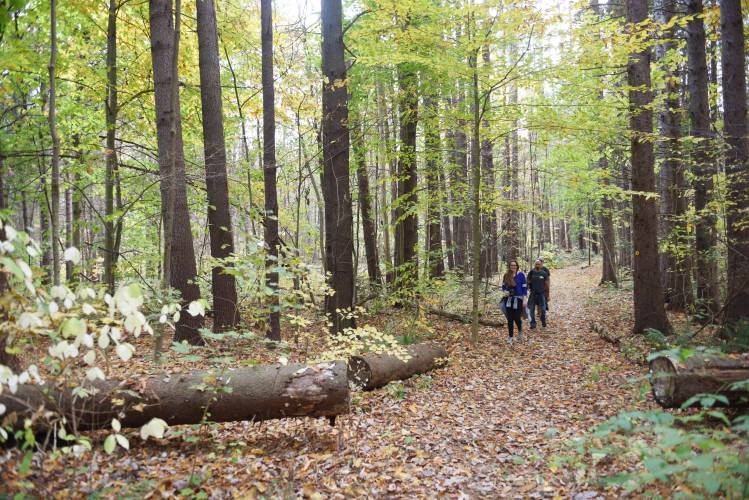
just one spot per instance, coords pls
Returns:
(407, 223)
(371, 371)
(365, 207)
(488, 217)
(708, 300)
(223, 284)
(339, 237)
(512, 246)
(678, 286)
(608, 234)
(52, 120)
(270, 220)
(182, 270)
(433, 155)
(675, 381)
(648, 292)
(257, 393)
(475, 198)
(737, 159)
(110, 115)
(446, 199)
(459, 187)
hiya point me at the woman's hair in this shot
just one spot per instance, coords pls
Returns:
(509, 279)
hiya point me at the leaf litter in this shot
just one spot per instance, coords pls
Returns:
(488, 425)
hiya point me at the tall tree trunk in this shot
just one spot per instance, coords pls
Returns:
(608, 234)
(445, 200)
(270, 220)
(110, 115)
(475, 197)
(733, 62)
(513, 219)
(52, 120)
(384, 159)
(459, 185)
(365, 207)
(223, 284)
(433, 154)
(407, 223)
(648, 292)
(339, 237)
(677, 281)
(489, 216)
(182, 271)
(708, 299)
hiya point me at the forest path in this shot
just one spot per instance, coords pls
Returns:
(486, 426)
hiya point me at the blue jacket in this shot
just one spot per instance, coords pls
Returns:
(521, 285)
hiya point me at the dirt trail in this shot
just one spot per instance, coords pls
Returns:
(484, 426)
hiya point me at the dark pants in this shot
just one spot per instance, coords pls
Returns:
(514, 317)
(537, 299)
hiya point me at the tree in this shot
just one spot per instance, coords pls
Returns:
(270, 220)
(648, 292)
(219, 219)
(433, 165)
(179, 261)
(406, 225)
(54, 211)
(365, 206)
(339, 237)
(110, 110)
(737, 159)
(706, 270)
(678, 286)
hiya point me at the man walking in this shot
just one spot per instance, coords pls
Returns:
(538, 281)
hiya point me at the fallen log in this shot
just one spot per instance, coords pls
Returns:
(370, 371)
(464, 319)
(249, 394)
(675, 381)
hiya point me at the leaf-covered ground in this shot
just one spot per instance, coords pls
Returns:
(488, 425)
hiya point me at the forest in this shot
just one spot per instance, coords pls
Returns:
(298, 249)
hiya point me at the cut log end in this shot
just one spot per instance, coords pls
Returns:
(359, 372)
(663, 374)
(370, 371)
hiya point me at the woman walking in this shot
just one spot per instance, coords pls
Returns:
(516, 289)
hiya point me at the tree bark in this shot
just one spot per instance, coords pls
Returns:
(706, 270)
(433, 154)
(269, 167)
(257, 393)
(675, 381)
(677, 283)
(181, 262)
(223, 284)
(52, 120)
(488, 217)
(371, 371)
(339, 237)
(459, 185)
(365, 207)
(737, 159)
(110, 115)
(648, 292)
(608, 234)
(407, 223)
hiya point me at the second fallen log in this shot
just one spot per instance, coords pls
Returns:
(251, 394)
(370, 371)
(675, 381)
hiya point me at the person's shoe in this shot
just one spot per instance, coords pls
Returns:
(509, 341)
(543, 323)
(520, 336)
(533, 326)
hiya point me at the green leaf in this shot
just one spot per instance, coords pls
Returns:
(109, 444)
